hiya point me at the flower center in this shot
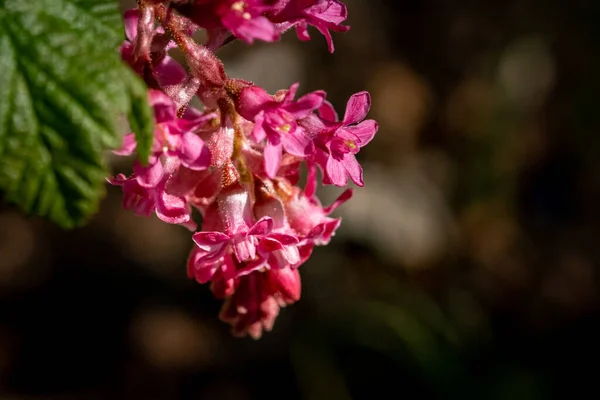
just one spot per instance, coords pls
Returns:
(350, 143)
(166, 146)
(285, 128)
(240, 6)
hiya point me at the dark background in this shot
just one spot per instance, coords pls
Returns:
(467, 267)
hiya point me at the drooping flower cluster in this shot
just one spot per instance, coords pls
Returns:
(237, 161)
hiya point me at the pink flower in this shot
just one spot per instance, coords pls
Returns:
(275, 118)
(337, 143)
(135, 197)
(169, 206)
(309, 218)
(238, 161)
(258, 298)
(238, 230)
(204, 271)
(324, 15)
(173, 137)
(279, 248)
(243, 18)
(175, 145)
(165, 70)
(214, 245)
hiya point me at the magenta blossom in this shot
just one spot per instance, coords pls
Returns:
(170, 207)
(258, 298)
(310, 219)
(325, 15)
(279, 248)
(173, 137)
(275, 118)
(204, 271)
(237, 229)
(243, 18)
(236, 160)
(337, 143)
(175, 145)
(167, 71)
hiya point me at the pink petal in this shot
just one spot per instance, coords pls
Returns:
(325, 32)
(169, 72)
(190, 225)
(306, 104)
(212, 244)
(327, 112)
(193, 118)
(254, 28)
(141, 205)
(354, 169)
(184, 180)
(340, 145)
(127, 52)
(286, 282)
(342, 198)
(223, 284)
(118, 180)
(284, 238)
(216, 38)
(244, 248)
(209, 186)
(252, 100)
(251, 266)
(316, 127)
(202, 271)
(172, 209)
(205, 271)
(302, 31)
(269, 245)
(291, 93)
(336, 172)
(206, 240)
(357, 107)
(311, 181)
(365, 131)
(258, 132)
(330, 228)
(297, 143)
(272, 159)
(128, 146)
(305, 253)
(315, 232)
(193, 153)
(322, 233)
(287, 256)
(164, 108)
(131, 21)
(262, 227)
(149, 176)
(335, 13)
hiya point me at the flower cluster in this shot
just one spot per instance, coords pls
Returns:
(237, 161)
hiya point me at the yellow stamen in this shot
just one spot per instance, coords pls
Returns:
(238, 6)
(350, 144)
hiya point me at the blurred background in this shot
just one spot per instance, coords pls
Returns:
(467, 267)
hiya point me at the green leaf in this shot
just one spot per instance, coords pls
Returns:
(63, 94)
(140, 116)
